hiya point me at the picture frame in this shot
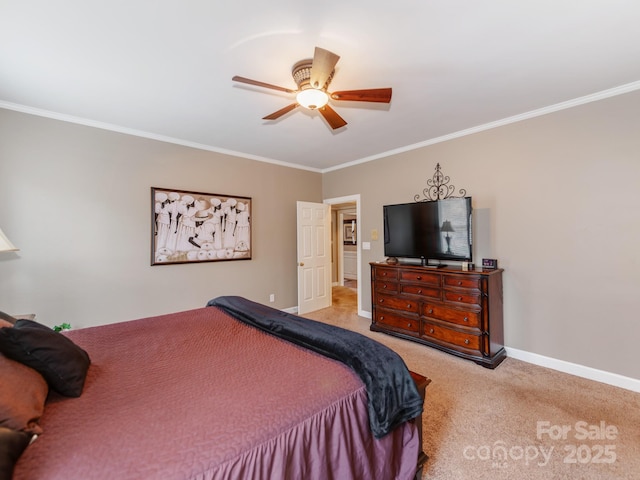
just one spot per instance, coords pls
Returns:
(490, 263)
(349, 229)
(197, 227)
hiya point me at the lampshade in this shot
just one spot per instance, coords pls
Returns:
(5, 244)
(446, 226)
(312, 98)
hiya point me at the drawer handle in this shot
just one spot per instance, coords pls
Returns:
(384, 274)
(381, 300)
(431, 330)
(408, 305)
(466, 341)
(460, 283)
(381, 317)
(384, 286)
(466, 319)
(420, 291)
(431, 310)
(408, 325)
(419, 277)
(459, 299)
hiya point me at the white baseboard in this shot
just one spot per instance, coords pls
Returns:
(609, 378)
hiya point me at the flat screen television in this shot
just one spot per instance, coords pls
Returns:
(431, 230)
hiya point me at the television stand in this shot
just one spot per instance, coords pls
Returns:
(454, 310)
(423, 262)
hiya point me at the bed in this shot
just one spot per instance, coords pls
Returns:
(232, 390)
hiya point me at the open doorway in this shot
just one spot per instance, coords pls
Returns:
(345, 248)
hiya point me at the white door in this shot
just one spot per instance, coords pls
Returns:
(314, 256)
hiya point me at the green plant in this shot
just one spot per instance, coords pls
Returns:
(61, 327)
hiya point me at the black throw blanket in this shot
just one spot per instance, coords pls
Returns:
(392, 394)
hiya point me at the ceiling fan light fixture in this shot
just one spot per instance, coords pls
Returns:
(312, 98)
(313, 76)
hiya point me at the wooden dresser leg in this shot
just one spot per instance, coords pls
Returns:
(421, 383)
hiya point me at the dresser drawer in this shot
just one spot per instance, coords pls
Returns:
(396, 303)
(467, 318)
(462, 281)
(386, 286)
(453, 337)
(397, 322)
(421, 277)
(462, 296)
(386, 273)
(424, 291)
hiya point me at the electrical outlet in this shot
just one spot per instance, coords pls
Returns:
(374, 234)
(272, 297)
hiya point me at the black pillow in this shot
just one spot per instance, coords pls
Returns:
(12, 444)
(61, 362)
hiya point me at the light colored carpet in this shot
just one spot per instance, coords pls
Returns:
(508, 423)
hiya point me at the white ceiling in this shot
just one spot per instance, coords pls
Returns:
(163, 68)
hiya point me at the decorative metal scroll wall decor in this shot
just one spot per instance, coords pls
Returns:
(438, 188)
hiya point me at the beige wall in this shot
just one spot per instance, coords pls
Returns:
(557, 201)
(76, 201)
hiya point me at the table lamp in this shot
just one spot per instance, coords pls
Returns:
(5, 244)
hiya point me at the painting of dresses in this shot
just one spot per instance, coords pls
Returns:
(199, 227)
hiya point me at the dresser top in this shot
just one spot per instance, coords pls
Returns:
(457, 269)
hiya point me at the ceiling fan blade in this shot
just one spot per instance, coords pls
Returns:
(381, 95)
(324, 62)
(280, 112)
(330, 115)
(261, 84)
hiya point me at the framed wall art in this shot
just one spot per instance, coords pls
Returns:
(190, 227)
(349, 232)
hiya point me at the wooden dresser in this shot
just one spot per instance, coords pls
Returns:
(457, 311)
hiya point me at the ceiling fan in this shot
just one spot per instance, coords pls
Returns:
(313, 77)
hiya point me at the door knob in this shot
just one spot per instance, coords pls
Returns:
(301, 264)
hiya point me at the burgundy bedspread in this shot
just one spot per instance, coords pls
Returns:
(199, 395)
